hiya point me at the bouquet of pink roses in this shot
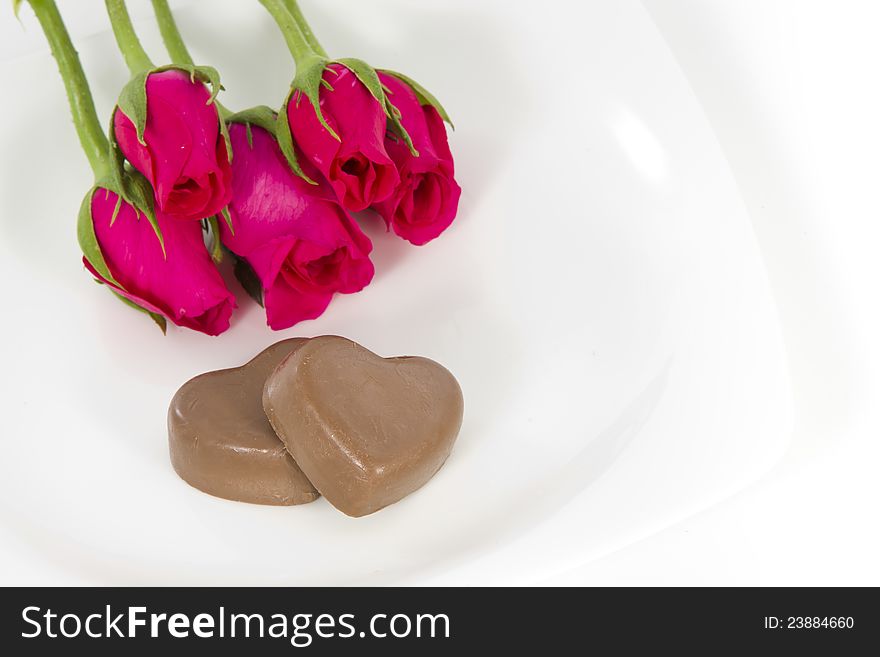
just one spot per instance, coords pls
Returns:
(181, 181)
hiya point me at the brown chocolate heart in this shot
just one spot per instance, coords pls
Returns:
(366, 430)
(222, 443)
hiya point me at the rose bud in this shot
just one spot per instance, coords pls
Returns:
(177, 142)
(354, 159)
(336, 113)
(301, 244)
(426, 200)
(178, 282)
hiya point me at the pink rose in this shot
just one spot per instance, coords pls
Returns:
(184, 154)
(183, 286)
(426, 200)
(357, 167)
(303, 246)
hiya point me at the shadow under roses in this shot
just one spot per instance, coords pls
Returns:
(388, 252)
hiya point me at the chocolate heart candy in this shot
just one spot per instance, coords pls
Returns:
(366, 430)
(222, 443)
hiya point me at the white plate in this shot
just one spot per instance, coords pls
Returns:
(600, 298)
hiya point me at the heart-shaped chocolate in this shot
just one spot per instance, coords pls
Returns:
(366, 430)
(222, 443)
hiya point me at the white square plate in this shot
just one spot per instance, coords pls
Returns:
(601, 299)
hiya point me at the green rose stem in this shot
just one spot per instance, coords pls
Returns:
(171, 35)
(302, 51)
(82, 107)
(175, 45)
(136, 57)
(88, 128)
(293, 7)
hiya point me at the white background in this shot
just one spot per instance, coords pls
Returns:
(790, 89)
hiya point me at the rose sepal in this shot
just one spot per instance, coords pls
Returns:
(131, 186)
(91, 250)
(133, 97)
(370, 79)
(308, 82)
(261, 116)
(424, 96)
